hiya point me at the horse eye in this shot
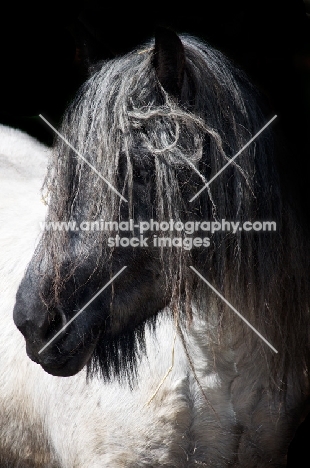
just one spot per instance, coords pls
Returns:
(140, 173)
(144, 173)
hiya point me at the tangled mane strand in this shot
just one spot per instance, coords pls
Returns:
(122, 118)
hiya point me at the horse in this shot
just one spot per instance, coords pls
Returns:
(185, 346)
(36, 425)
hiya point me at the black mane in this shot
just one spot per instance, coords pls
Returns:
(124, 120)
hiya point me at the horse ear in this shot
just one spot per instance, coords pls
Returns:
(169, 60)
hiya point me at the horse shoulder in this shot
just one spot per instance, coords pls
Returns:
(22, 161)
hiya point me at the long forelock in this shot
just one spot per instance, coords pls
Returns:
(123, 113)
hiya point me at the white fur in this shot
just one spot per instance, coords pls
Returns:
(66, 422)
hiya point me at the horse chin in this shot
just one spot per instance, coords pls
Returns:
(62, 362)
(71, 367)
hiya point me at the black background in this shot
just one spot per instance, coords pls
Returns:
(41, 70)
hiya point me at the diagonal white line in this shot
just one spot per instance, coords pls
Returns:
(85, 160)
(235, 310)
(232, 159)
(80, 311)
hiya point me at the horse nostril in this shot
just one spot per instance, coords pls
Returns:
(55, 322)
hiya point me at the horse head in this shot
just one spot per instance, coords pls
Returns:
(144, 134)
